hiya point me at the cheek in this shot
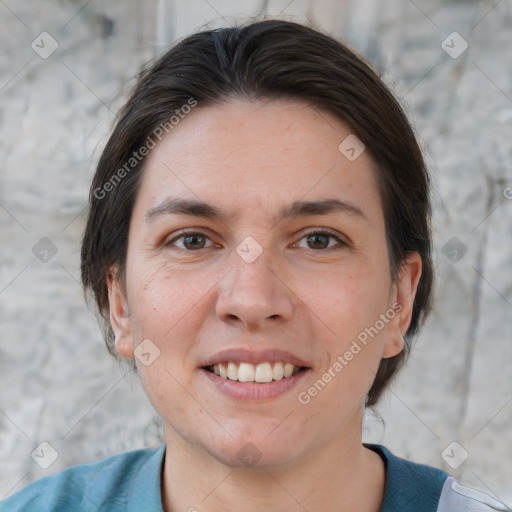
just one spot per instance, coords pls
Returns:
(161, 300)
(162, 304)
(350, 304)
(347, 301)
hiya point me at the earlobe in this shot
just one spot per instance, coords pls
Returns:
(406, 287)
(119, 316)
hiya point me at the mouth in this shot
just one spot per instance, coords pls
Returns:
(254, 375)
(261, 373)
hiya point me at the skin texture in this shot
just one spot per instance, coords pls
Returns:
(250, 159)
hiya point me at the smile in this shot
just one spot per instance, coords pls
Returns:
(254, 375)
(248, 372)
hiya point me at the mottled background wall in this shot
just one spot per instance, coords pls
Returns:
(58, 95)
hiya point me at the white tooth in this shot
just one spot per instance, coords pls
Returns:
(246, 372)
(263, 373)
(288, 369)
(222, 371)
(232, 371)
(216, 369)
(278, 372)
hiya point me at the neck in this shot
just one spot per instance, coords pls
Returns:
(343, 476)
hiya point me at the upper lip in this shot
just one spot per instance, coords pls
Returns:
(245, 355)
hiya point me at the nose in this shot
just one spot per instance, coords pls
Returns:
(255, 294)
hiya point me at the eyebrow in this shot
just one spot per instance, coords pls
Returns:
(196, 208)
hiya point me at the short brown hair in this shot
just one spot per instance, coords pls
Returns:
(265, 60)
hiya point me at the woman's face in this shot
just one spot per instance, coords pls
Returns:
(242, 282)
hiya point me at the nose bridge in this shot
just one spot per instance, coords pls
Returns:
(253, 292)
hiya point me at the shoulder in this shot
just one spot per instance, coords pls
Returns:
(409, 485)
(455, 496)
(127, 481)
(422, 488)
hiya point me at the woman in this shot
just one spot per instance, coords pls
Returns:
(258, 245)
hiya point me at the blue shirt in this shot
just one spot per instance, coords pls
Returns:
(130, 482)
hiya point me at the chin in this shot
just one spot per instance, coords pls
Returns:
(256, 451)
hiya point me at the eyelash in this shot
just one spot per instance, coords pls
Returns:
(310, 232)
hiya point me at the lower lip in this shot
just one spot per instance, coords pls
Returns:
(255, 391)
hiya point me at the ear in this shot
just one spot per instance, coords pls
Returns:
(119, 315)
(402, 304)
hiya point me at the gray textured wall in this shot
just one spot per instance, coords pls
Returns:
(58, 384)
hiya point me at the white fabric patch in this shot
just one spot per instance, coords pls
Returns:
(456, 497)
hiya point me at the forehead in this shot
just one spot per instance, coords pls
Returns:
(242, 154)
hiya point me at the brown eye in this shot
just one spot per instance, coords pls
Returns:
(321, 240)
(195, 241)
(191, 241)
(318, 241)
